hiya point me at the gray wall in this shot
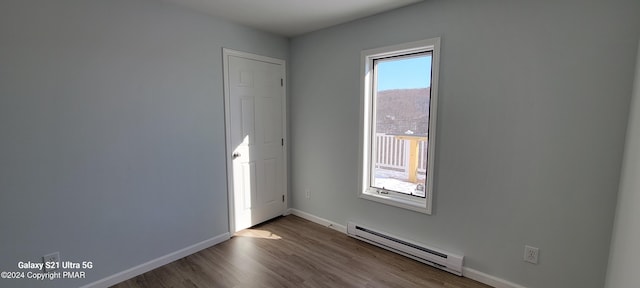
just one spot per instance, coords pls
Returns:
(623, 267)
(533, 108)
(112, 130)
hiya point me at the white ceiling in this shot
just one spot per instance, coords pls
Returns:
(292, 17)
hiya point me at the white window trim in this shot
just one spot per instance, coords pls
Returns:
(367, 116)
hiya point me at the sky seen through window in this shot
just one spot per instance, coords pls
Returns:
(407, 73)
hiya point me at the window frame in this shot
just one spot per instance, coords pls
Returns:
(368, 116)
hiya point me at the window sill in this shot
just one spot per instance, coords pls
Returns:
(409, 204)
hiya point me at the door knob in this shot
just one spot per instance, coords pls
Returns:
(235, 155)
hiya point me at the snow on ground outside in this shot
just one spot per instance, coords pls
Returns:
(396, 181)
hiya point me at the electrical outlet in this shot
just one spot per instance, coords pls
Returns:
(307, 193)
(531, 254)
(51, 261)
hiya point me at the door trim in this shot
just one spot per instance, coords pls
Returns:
(227, 118)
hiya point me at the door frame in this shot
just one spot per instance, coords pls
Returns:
(226, 52)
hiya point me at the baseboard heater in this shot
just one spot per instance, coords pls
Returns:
(437, 258)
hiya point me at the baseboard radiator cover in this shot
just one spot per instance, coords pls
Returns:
(440, 259)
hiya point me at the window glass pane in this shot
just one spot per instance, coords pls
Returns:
(402, 98)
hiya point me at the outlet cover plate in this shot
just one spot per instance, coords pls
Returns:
(531, 254)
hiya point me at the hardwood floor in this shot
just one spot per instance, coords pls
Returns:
(293, 252)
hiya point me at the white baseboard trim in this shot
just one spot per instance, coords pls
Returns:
(318, 220)
(466, 272)
(155, 263)
(488, 279)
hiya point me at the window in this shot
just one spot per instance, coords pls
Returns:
(398, 122)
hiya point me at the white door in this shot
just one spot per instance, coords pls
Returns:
(254, 94)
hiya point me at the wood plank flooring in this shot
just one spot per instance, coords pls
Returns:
(293, 252)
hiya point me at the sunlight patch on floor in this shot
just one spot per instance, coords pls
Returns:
(256, 233)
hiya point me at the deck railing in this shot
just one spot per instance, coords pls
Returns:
(402, 152)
